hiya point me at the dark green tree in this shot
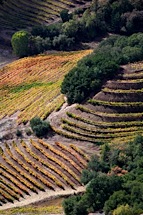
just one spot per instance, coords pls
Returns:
(39, 127)
(100, 189)
(75, 205)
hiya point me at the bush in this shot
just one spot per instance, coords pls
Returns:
(20, 41)
(18, 133)
(46, 31)
(132, 54)
(63, 43)
(39, 127)
(118, 198)
(39, 45)
(123, 210)
(75, 206)
(65, 16)
(70, 28)
(28, 132)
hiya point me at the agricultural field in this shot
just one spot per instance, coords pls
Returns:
(113, 115)
(30, 167)
(19, 14)
(31, 86)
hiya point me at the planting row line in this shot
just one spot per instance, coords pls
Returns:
(120, 91)
(101, 124)
(47, 164)
(42, 172)
(60, 163)
(112, 115)
(95, 135)
(97, 130)
(23, 171)
(115, 104)
(60, 154)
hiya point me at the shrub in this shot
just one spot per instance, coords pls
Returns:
(118, 198)
(28, 132)
(75, 206)
(132, 54)
(70, 28)
(40, 45)
(46, 31)
(62, 42)
(18, 133)
(65, 16)
(20, 41)
(39, 127)
(123, 210)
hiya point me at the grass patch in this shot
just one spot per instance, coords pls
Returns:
(33, 210)
(24, 87)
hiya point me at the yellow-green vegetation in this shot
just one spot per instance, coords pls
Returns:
(31, 86)
(137, 66)
(33, 210)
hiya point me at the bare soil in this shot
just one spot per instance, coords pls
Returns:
(6, 54)
(4, 60)
(124, 86)
(42, 196)
(120, 97)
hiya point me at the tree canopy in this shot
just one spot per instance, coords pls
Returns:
(91, 72)
(116, 189)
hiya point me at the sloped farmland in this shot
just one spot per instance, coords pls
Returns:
(31, 86)
(30, 167)
(19, 14)
(114, 114)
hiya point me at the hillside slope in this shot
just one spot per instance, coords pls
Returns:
(31, 86)
(114, 114)
(25, 14)
(29, 167)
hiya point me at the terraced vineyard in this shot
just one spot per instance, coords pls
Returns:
(114, 115)
(24, 13)
(33, 166)
(31, 86)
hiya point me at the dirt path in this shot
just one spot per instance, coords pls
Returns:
(42, 196)
(6, 56)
